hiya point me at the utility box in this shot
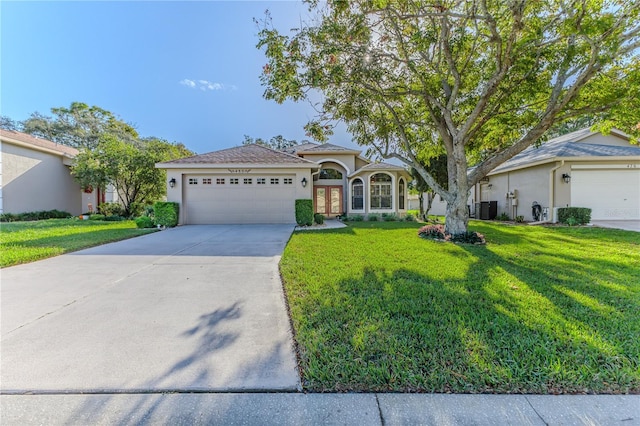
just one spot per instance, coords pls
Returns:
(487, 210)
(514, 202)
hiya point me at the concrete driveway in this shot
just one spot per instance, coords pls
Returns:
(627, 225)
(194, 308)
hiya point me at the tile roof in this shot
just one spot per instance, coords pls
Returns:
(299, 148)
(564, 149)
(325, 147)
(37, 142)
(244, 154)
(379, 166)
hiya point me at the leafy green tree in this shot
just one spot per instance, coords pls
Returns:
(480, 81)
(78, 126)
(277, 142)
(7, 123)
(130, 167)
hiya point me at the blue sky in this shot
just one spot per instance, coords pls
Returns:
(182, 71)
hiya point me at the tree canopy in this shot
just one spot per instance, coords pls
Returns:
(277, 142)
(477, 81)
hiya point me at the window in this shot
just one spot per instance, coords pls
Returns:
(357, 195)
(275, 181)
(288, 181)
(401, 194)
(261, 181)
(248, 181)
(330, 174)
(380, 191)
(220, 181)
(234, 181)
(206, 181)
(193, 181)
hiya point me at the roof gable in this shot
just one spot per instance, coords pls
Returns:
(243, 154)
(325, 148)
(37, 143)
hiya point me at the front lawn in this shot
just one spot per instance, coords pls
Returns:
(22, 242)
(537, 310)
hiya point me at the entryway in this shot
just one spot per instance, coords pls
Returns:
(328, 200)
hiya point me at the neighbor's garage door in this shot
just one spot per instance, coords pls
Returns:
(610, 194)
(215, 199)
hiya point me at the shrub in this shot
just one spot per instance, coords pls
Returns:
(469, 237)
(96, 217)
(354, 218)
(111, 209)
(166, 213)
(415, 213)
(436, 232)
(144, 222)
(114, 218)
(503, 217)
(580, 215)
(410, 218)
(520, 219)
(432, 232)
(389, 217)
(30, 216)
(318, 218)
(304, 212)
(372, 217)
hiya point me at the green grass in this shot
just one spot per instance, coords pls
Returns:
(22, 242)
(537, 310)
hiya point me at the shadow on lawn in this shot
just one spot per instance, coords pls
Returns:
(547, 331)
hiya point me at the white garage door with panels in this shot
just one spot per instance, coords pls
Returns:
(610, 193)
(230, 199)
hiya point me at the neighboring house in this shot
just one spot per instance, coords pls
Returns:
(35, 176)
(438, 205)
(255, 184)
(579, 169)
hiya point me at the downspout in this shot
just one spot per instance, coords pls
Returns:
(552, 190)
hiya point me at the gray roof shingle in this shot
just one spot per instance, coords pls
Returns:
(244, 154)
(325, 147)
(565, 149)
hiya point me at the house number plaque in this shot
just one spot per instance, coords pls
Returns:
(239, 170)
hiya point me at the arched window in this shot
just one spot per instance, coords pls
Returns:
(380, 191)
(401, 194)
(330, 174)
(357, 195)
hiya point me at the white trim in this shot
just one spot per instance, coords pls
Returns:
(333, 160)
(631, 166)
(393, 191)
(350, 196)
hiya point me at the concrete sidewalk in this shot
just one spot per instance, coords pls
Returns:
(313, 409)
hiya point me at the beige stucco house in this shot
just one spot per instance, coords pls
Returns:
(256, 184)
(579, 169)
(35, 176)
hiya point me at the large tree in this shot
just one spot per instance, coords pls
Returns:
(79, 126)
(277, 142)
(129, 167)
(476, 80)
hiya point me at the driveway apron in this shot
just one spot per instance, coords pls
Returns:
(194, 308)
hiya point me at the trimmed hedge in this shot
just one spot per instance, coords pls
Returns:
(96, 217)
(574, 215)
(31, 216)
(166, 213)
(144, 222)
(318, 218)
(304, 212)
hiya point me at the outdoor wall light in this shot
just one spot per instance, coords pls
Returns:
(566, 178)
(304, 182)
(172, 182)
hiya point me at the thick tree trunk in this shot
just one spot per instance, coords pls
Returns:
(421, 212)
(457, 216)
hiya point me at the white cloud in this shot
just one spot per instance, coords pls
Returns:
(188, 83)
(205, 85)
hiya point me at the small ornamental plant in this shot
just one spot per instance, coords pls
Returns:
(437, 233)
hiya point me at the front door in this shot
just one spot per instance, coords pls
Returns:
(328, 200)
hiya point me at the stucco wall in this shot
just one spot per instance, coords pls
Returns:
(531, 184)
(347, 161)
(609, 139)
(34, 180)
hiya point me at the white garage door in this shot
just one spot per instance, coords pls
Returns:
(215, 199)
(610, 194)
